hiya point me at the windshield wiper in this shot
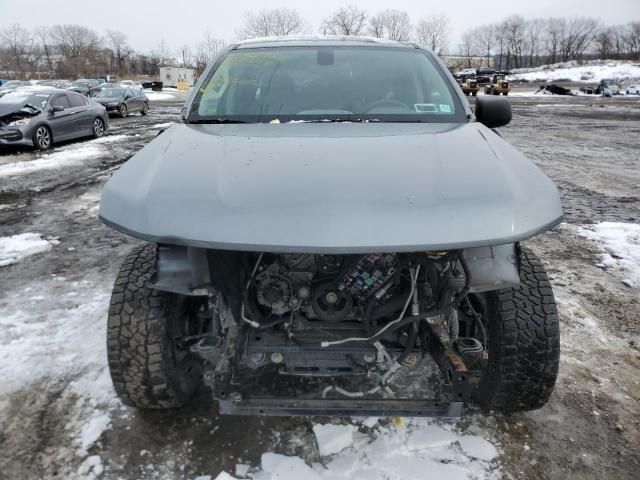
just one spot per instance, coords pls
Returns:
(215, 121)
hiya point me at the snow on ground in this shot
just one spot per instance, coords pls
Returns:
(158, 96)
(591, 72)
(45, 340)
(16, 247)
(162, 125)
(63, 157)
(620, 243)
(406, 449)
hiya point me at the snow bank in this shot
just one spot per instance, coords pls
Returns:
(419, 451)
(592, 72)
(621, 245)
(16, 247)
(158, 96)
(57, 159)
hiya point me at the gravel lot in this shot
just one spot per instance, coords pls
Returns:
(58, 417)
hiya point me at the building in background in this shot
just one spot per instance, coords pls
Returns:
(177, 77)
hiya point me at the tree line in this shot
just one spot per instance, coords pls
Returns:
(72, 51)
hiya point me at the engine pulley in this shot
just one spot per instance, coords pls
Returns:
(331, 304)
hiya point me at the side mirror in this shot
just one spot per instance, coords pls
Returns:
(493, 112)
(56, 108)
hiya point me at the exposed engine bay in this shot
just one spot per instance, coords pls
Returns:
(349, 315)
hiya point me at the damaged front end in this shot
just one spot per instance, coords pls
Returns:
(12, 124)
(307, 334)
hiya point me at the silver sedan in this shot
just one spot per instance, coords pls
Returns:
(42, 117)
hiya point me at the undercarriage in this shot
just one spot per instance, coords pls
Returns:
(305, 334)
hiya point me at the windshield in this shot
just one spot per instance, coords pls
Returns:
(22, 99)
(111, 92)
(384, 84)
(78, 83)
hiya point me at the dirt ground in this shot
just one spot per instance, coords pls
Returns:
(590, 429)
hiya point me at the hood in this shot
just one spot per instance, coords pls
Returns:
(330, 188)
(10, 113)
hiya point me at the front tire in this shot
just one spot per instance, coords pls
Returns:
(123, 110)
(42, 138)
(523, 343)
(145, 109)
(98, 128)
(148, 369)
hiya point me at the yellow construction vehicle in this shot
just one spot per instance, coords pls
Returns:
(499, 85)
(469, 84)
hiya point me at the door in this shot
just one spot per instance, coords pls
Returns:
(61, 122)
(82, 116)
(132, 100)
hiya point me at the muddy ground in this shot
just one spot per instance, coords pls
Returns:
(590, 429)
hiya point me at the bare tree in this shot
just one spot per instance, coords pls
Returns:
(433, 32)
(555, 28)
(208, 49)
(467, 46)
(42, 33)
(186, 58)
(376, 25)
(278, 22)
(484, 38)
(346, 21)
(118, 45)
(398, 25)
(20, 44)
(78, 46)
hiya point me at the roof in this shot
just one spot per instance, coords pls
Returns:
(326, 40)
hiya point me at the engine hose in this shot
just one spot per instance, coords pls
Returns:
(411, 343)
(467, 282)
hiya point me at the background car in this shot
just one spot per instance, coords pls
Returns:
(133, 84)
(13, 85)
(123, 101)
(633, 90)
(55, 83)
(42, 117)
(85, 86)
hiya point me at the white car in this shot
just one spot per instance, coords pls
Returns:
(633, 90)
(132, 84)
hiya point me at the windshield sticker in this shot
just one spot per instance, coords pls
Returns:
(425, 107)
(444, 108)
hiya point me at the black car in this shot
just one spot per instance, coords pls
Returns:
(85, 86)
(123, 100)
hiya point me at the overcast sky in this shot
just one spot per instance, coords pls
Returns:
(147, 23)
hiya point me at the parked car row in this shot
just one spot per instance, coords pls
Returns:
(86, 86)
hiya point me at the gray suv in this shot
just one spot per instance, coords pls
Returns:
(331, 224)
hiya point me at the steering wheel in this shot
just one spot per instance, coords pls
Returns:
(389, 102)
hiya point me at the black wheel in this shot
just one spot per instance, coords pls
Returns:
(523, 342)
(122, 110)
(149, 366)
(42, 138)
(98, 128)
(505, 93)
(474, 93)
(145, 109)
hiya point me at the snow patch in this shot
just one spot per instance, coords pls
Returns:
(333, 438)
(592, 72)
(621, 245)
(421, 450)
(61, 158)
(477, 447)
(157, 96)
(162, 125)
(16, 247)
